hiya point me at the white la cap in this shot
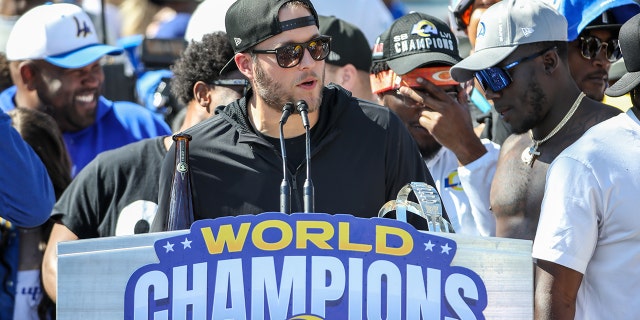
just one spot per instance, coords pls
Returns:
(61, 34)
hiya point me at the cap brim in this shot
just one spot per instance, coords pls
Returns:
(405, 64)
(83, 57)
(624, 85)
(613, 28)
(480, 60)
(604, 27)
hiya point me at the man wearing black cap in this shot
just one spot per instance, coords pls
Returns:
(586, 247)
(361, 153)
(410, 75)
(349, 61)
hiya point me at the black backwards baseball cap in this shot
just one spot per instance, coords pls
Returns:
(606, 20)
(249, 22)
(348, 44)
(630, 46)
(414, 40)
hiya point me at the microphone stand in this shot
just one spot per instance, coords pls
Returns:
(309, 206)
(285, 189)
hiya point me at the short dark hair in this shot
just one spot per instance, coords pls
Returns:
(201, 61)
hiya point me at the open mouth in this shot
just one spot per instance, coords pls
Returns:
(308, 84)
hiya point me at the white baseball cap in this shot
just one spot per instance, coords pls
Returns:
(61, 34)
(506, 25)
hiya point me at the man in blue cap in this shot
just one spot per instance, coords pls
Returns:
(592, 32)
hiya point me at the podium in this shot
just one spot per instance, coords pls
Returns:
(97, 277)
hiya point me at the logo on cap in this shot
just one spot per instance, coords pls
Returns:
(237, 41)
(424, 36)
(481, 30)
(333, 56)
(378, 49)
(527, 31)
(83, 30)
(423, 28)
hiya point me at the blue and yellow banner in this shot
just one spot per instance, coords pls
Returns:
(304, 266)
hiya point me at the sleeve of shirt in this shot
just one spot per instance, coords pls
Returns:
(26, 192)
(164, 191)
(476, 179)
(80, 205)
(568, 227)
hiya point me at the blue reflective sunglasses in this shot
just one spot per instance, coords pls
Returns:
(498, 78)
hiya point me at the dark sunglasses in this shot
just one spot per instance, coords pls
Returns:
(498, 78)
(290, 55)
(591, 46)
(234, 83)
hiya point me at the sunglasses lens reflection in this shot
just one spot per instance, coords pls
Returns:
(290, 55)
(493, 78)
(591, 46)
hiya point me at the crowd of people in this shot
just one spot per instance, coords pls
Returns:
(514, 134)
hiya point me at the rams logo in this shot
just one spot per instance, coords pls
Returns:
(481, 29)
(424, 28)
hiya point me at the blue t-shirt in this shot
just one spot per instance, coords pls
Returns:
(117, 124)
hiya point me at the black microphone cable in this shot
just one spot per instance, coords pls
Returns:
(285, 189)
(309, 206)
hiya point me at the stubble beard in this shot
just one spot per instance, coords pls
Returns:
(536, 99)
(273, 94)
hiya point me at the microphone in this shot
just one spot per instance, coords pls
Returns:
(285, 189)
(303, 108)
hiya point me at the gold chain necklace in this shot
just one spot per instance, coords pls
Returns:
(530, 154)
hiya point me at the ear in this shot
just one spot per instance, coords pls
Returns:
(28, 72)
(551, 60)
(201, 94)
(245, 64)
(349, 74)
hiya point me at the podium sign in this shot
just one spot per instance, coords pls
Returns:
(299, 266)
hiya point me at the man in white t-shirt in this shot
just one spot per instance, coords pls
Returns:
(587, 245)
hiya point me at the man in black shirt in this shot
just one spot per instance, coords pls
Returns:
(361, 153)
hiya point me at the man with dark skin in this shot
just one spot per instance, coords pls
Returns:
(517, 188)
(586, 247)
